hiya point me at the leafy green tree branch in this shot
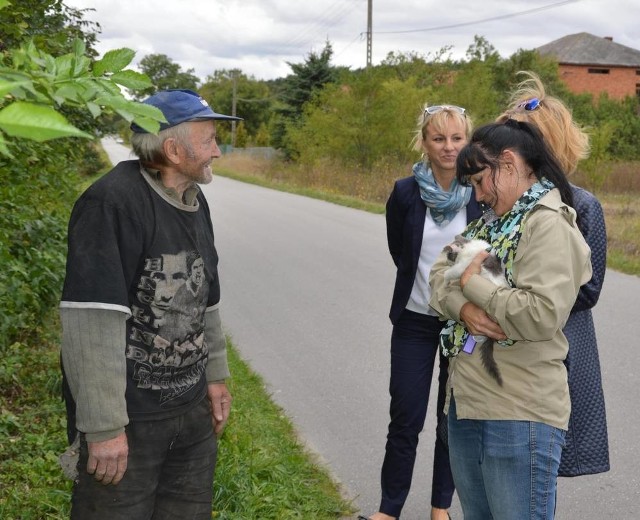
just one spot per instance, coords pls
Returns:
(36, 88)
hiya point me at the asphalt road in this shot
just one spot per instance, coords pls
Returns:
(306, 287)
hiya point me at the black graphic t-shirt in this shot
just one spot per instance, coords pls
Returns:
(135, 250)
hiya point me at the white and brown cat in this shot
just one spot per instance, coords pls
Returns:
(460, 253)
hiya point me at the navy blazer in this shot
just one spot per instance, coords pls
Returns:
(406, 213)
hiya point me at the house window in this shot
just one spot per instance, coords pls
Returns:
(638, 90)
(598, 71)
(637, 72)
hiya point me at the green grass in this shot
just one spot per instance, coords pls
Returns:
(622, 215)
(264, 471)
(32, 428)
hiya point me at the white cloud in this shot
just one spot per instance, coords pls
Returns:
(260, 36)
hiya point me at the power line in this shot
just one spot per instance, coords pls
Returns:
(464, 24)
(332, 14)
(358, 37)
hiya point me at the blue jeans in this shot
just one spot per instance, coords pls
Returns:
(414, 348)
(169, 472)
(505, 470)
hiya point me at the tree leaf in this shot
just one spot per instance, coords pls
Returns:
(113, 61)
(8, 86)
(80, 65)
(132, 107)
(69, 92)
(144, 110)
(124, 114)
(36, 122)
(4, 149)
(108, 86)
(131, 79)
(79, 48)
(113, 102)
(63, 67)
(94, 109)
(149, 125)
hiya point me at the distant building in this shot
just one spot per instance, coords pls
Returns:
(588, 63)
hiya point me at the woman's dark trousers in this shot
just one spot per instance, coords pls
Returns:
(414, 346)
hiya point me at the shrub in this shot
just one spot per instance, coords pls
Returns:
(36, 196)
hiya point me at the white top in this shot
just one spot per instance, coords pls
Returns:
(434, 238)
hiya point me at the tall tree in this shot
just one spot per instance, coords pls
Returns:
(308, 78)
(50, 24)
(360, 122)
(253, 99)
(297, 89)
(506, 73)
(165, 74)
(427, 69)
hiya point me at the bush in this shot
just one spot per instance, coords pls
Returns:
(36, 197)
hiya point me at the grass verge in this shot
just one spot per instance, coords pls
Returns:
(263, 470)
(622, 216)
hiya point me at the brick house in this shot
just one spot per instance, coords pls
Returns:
(588, 63)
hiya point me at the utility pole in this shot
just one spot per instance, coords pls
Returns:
(234, 100)
(369, 32)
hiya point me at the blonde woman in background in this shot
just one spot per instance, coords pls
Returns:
(424, 213)
(587, 449)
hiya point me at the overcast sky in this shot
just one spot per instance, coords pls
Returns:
(259, 37)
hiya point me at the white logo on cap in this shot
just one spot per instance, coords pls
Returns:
(204, 102)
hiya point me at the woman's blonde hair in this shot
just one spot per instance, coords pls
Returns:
(567, 141)
(439, 121)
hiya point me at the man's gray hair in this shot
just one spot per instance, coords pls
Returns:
(149, 147)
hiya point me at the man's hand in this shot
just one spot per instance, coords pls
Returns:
(108, 459)
(220, 400)
(478, 322)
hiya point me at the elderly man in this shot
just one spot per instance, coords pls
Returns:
(145, 372)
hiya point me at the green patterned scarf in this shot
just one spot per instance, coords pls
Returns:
(503, 233)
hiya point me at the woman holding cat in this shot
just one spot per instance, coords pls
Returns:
(586, 448)
(505, 441)
(424, 213)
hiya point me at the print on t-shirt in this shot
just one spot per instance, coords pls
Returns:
(167, 334)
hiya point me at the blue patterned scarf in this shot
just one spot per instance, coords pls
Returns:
(443, 205)
(503, 233)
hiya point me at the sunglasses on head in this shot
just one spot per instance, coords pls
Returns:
(531, 104)
(439, 108)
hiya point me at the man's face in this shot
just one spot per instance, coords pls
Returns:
(199, 152)
(167, 282)
(197, 271)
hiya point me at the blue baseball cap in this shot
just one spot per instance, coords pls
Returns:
(180, 106)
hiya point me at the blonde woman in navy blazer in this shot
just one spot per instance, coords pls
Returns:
(424, 213)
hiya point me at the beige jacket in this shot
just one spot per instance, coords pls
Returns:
(551, 263)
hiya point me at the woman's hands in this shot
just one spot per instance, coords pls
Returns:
(473, 267)
(479, 323)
